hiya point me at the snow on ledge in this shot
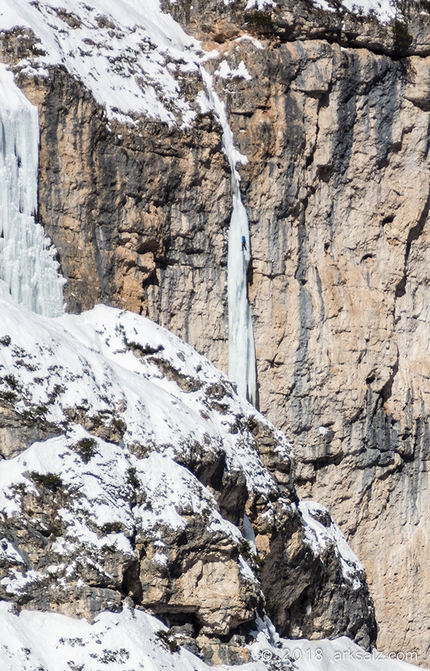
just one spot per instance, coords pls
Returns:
(321, 532)
(225, 72)
(383, 9)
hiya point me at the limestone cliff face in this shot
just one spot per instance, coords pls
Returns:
(339, 203)
(335, 124)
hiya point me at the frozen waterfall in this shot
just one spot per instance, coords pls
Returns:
(27, 258)
(241, 353)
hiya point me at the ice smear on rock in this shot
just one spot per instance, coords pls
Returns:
(27, 259)
(241, 355)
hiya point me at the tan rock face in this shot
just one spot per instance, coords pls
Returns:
(340, 244)
(337, 190)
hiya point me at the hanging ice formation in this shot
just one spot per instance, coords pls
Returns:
(241, 353)
(27, 259)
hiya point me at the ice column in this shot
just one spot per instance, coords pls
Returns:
(27, 258)
(241, 353)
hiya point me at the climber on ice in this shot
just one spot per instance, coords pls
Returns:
(243, 243)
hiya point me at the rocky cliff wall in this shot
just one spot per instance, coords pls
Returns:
(339, 205)
(338, 193)
(335, 125)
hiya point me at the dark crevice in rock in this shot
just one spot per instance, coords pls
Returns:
(413, 235)
(131, 585)
(387, 389)
(304, 597)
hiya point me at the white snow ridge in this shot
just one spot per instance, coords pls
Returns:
(130, 641)
(384, 10)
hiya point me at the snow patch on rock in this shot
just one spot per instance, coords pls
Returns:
(383, 9)
(321, 532)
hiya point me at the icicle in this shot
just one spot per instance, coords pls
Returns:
(27, 258)
(241, 354)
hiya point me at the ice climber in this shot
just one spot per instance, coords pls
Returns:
(243, 243)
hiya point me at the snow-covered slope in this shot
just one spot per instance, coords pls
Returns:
(133, 470)
(119, 368)
(384, 9)
(130, 55)
(131, 404)
(131, 640)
